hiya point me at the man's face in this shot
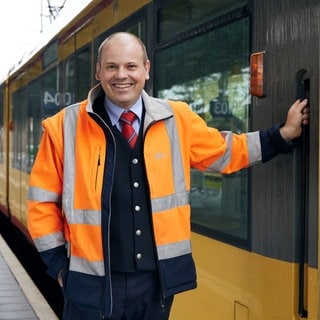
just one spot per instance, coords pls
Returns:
(122, 70)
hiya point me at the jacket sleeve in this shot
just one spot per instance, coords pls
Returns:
(272, 143)
(45, 217)
(226, 152)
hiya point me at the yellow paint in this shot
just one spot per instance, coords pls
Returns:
(313, 294)
(67, 48)
(267, 287)
(241, 312)
(115, 13)
(84, 36)
(3, 184)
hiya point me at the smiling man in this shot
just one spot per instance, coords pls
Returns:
(122, 78)
(108, 203)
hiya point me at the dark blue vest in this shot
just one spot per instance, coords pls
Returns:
(131, 237)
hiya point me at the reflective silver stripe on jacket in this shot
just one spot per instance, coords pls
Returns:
(169, 202)
(81, 265)
(174, 250)
(254, 150)
(70, 124)
(254, 145)
(42, 195)
(50, 241)
(224, 160)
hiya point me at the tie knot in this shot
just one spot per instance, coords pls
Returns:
(128, 117)
(127, 130)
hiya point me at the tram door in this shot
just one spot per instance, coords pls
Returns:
(284, 192)
(255, 232)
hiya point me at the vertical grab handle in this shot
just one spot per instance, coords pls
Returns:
(303, 92)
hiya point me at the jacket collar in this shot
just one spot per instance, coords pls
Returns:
(155, 109)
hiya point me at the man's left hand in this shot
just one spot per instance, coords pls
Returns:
(297, 116)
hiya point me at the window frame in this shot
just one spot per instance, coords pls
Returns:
(202, 29)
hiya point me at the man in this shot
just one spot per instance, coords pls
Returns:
(110, 214)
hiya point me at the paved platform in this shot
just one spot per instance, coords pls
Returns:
(20, 299)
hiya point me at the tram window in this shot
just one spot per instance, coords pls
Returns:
(50, 54)
(19, 143)
(84, 73)
(180, 15)
(1, 124)
(213, 78)
(68, 82)
(34, 120)
(52, 99)
(138, 29)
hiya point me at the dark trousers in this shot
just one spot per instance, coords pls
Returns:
(136, 296)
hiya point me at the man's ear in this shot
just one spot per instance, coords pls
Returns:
(98, 69)
(147, 67)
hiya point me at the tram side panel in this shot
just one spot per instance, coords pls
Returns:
(236, 283)
(3, 149)
(264, 283)
(288, 32)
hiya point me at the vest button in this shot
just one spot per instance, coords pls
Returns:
(138, 232)
(137, 208)
(136, 184)
(139, 256)
(135, 161)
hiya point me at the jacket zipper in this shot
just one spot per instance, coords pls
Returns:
(97, 171)
(103, 312)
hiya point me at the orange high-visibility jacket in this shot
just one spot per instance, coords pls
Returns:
(68, 217)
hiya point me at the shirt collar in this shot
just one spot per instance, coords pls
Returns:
(115, 111)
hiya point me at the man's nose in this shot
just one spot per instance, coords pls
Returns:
(121, 73)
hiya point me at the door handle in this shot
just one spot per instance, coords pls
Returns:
(302, 88)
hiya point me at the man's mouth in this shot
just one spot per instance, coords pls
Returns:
(122, 86)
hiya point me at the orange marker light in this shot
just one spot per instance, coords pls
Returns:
(257, 74)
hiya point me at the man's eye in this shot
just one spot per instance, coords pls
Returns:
(111, 67)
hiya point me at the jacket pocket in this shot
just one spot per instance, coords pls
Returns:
(84, 289)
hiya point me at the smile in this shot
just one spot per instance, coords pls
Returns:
(123, 86)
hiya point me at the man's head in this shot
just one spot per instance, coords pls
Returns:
(122, 68)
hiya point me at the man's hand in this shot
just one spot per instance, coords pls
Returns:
(59, 279)
(297, 116)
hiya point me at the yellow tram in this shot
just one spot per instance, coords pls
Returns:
(255, 233)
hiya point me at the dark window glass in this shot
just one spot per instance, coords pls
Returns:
(52, 101)
(34, 120)
(138, 29)
(180, 15)
(20, 133)
(50, 54)
(211, 73)
(69, 82)
(84, 73)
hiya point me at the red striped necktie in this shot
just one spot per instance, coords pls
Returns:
(127, 130)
